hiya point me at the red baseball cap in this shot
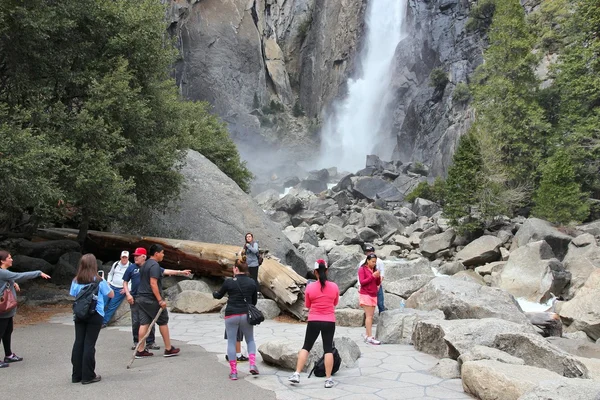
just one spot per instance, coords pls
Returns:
(140, 251)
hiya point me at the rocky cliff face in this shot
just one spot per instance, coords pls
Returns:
(427, 122)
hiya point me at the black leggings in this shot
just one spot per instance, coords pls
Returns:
(6, 330)
(253, 272)
(326, 329)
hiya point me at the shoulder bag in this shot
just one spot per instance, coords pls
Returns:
(255, 316)
(7, 300)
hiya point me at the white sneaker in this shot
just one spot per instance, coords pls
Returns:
(329, 383)
(294, 378)
(372, 340)
(364, 336)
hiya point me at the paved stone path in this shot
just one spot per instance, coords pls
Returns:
(383, 372)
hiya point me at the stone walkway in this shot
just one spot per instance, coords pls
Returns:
(383, 372)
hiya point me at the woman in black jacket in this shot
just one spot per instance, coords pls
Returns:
(240, 290)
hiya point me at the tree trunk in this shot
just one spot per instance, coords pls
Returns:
(83, 229)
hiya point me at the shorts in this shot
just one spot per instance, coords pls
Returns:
(148, 308)
(239, 336)
(366, 300)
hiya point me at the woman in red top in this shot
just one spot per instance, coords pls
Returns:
(370, 280)
(321, 298)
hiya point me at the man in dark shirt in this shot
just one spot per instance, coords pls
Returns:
(150, 300)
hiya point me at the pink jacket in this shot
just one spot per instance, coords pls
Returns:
(368, 283)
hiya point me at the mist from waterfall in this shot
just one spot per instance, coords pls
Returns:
(353, 129)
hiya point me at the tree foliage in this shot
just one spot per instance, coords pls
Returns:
(92, 118)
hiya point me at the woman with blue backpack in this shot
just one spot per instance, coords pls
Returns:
(89, 290)
(320, 297)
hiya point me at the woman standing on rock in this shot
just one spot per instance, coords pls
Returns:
(370, 280)
(240, 290)
(83, 356)
(9, 279)
(250, 252)
(321, 297)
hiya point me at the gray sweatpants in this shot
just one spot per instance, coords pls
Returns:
(231, 326)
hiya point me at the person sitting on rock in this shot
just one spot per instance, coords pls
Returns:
(320, 297)
(240, 291)
(115, 281)
(370, 280)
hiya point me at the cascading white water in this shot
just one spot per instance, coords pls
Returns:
(352, 131)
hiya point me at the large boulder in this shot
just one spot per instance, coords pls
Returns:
(301, 235)
(582, 258)
(349, 317)
(397, 270)
(312, 253)
(197, 215)
(423, 207)
(446, 368)
(535, 229)
(538, 352)
(27, 264)
(451, 338)
(583, 311)
(373, 187)
(50, 250)
(494, 380)
(194, 302)
(338, 252)
(396, 326)
(382, 222)
(289, 203)
(344, 272)
(564, 389)
(344, 236)
(480, 251)
(66, 268)
(281, 352)
(430, 246)
(267, 198)
(269, 308)
(460, 299)
(406, 286)
(533, 273)
(350, 299)
(479, 352)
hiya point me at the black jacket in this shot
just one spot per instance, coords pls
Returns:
(235, 303)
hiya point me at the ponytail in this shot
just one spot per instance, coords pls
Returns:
(322, 273)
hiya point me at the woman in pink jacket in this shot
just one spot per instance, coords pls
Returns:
(321, 298)
(370, 280)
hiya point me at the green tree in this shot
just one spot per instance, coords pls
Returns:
(88, 81)
(559, 198)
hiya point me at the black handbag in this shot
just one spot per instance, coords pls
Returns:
(255, 316)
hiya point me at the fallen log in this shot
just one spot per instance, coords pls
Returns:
(277, 281)
(548, 322)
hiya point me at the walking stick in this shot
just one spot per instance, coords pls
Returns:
(142, 340)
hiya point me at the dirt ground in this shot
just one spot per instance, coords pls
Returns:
(31, 315)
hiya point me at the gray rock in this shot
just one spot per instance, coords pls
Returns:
(66, 268)
(469, 276)
(493, 380)
(309, 217)
(349, 317)
(583, 311)
(535, 229)
(460, 300)
(281, 352)
(49, 250)
(382, 222)
(392, 301)
(267, 198)
(288, 203)
(406, 286)
(280, 217)
(193, 216)
(348, 349)
(592, 228)
(301, 235)
(432, 245)
(532, 272)
(577, 344)
(490, 268)
(342, 199)
(538, 352)
(367, 234)
(344, 271)
(346, 235)
(446, 368)
(372, 188)
(396, 270)
(480, 251)
(194, 302)
(564, 389)
(27, 264)
(402, 242)
(313, 185)
(396, 326)
(451, 268)
(350, 299)
(312, 253)
(269, 308)
(583, 257)
(339, 252)
(327, 245)
(478, 352)
(405, 216)
(388, 250)
(423, 207)
(442, 338)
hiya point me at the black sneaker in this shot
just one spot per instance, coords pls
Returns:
(241, 358)
(12, 358)
(172, 352)
(143, 354)
(95, 379)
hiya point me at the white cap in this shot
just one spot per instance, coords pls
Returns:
(125, 253)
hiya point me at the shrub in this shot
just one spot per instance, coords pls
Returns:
(438, 79)
(297, 111)
(461, 93)
(481, 16)
(435, 192)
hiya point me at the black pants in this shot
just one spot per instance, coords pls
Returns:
(83, 356)
(6, 330)
(327, 331)
(135, 325)
(253, 272)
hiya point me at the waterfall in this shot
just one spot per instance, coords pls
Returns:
(353, 129)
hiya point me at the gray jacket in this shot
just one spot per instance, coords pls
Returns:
(251, 254)
(10, 277)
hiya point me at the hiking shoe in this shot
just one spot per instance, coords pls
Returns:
(95, 379)
(4, 365)
(135, 345)
(294, 378)
(143, 354)
(242, 358)
(12, 358)
(253, 370)
(372, 340)
(329, 383)
(233, 377)
(152, 346)
(173, 351)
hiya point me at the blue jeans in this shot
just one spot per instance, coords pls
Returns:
(380, 305)
(112, 304)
